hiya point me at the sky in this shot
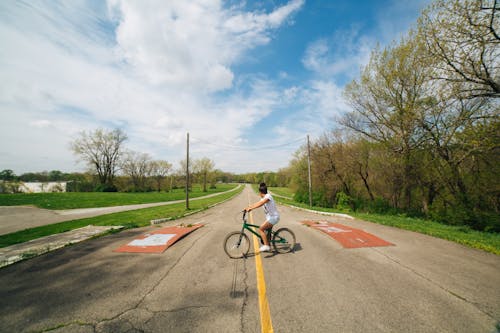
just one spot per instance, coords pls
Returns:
(248, 80)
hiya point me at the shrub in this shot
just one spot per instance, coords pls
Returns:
(106, 188)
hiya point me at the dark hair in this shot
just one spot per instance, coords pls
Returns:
(263, 188)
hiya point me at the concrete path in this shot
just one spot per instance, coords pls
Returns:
(14, 253)
(15, 218)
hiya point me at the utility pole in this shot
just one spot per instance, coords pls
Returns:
(309, 170)
(187, 172)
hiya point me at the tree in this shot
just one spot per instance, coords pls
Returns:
(204, 167)
(388, 101)
(102, 150)
(159, 170)
(464, 38)
(138, 166)
(7, 175)
(359, 156)
(56, 175)
(463, 135)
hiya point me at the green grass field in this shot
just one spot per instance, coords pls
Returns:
(282, 191)
(464, 235)
(129, 219)
(72, 200)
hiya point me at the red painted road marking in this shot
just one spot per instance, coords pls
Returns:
(157, 241)
(348, 237)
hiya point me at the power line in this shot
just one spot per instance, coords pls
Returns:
(253, 148)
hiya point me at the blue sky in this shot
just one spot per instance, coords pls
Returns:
(248, 80)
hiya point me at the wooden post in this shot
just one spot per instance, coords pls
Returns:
(309, 170)
(187, 172)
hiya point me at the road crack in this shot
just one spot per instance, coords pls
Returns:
(151, 290)
(245, 295)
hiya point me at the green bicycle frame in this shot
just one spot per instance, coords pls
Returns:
(250, 227)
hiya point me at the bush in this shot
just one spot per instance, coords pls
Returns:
(80, 186)
(301, 195)
(106, 188)
(343, 202)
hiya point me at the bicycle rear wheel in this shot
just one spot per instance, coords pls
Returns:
(283, 240)
(236, 244)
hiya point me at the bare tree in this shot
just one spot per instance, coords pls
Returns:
(102, 150)
(204, 167)
(138, 167)
(159, 170)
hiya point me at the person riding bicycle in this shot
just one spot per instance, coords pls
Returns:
(272, 214)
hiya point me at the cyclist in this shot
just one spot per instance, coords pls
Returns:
(272, 214)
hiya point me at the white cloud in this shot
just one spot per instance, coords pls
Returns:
(340, 56)
(317, 106)
(191, 44)
(40, 123)
(63, 72)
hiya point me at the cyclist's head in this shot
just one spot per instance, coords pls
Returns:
(263, 188)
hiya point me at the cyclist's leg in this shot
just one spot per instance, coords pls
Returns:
(262, 231)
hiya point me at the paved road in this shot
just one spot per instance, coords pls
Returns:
(15, 218)
(422, 284)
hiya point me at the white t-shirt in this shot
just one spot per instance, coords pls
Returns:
(270, 206)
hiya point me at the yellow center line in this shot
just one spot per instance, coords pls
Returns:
(266, 326)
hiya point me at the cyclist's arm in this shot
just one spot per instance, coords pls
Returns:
(257, 204)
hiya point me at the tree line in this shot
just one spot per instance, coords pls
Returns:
(106, 156)
(423, 133)
(112, 167)
(89, 181)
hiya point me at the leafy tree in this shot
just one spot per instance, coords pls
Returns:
(464, 38)
(387, 102)
(7, 175)
(56, 175)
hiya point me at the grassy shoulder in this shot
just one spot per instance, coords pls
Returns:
(72, 200)
(464, 235)
(130, 219)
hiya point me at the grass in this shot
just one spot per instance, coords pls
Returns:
(282, 191)
(72, 200)
(130, 219)
(464, 235)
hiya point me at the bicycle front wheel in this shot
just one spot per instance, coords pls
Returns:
(237, 244)
(283, 240)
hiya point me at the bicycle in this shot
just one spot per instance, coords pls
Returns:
(237, 243)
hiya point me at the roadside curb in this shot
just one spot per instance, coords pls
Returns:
(319, 212)
(311, 210)
(22, 251)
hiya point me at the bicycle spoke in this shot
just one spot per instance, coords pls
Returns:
(236, 244)
(283, 240)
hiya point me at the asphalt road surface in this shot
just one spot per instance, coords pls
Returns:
(422, 284)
